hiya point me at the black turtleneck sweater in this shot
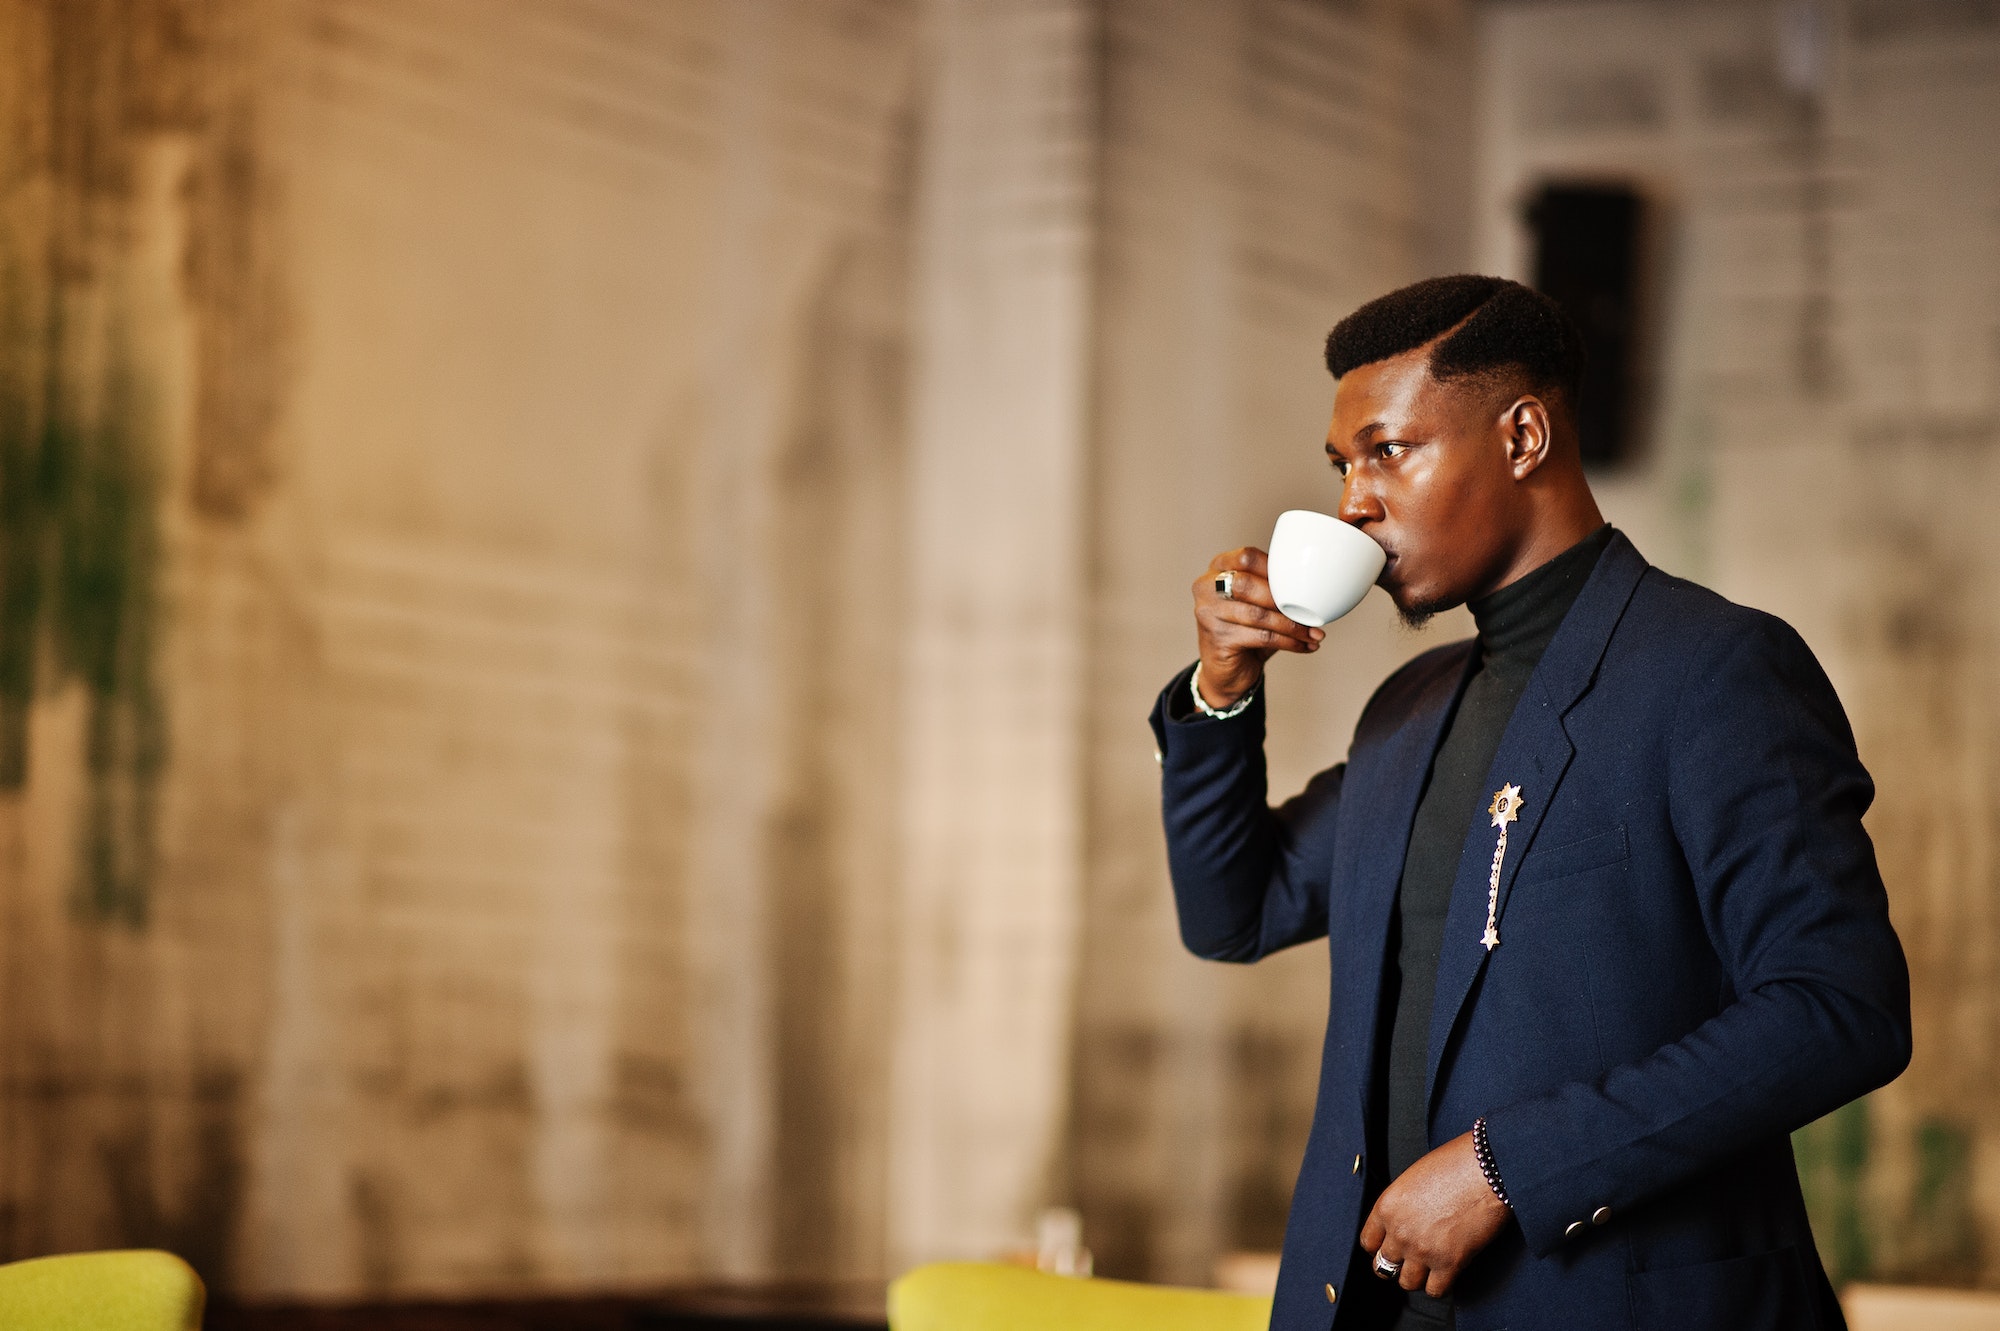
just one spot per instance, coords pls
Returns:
(1515, 625)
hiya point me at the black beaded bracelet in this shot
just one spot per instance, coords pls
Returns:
(1483, 1151)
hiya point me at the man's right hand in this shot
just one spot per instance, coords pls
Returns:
(1238, 633)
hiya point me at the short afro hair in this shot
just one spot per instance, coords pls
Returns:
(1495, 325)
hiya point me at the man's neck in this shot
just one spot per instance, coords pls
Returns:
(1546, 537)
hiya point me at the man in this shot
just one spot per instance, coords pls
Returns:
(1605, 926)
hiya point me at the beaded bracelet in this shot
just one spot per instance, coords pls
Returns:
(1216, 713)
(1483, 1151)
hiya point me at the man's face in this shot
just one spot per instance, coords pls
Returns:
(1425, 471)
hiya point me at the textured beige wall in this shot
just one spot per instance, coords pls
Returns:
(576, 690)
(511, 905)
(1825, 426)
(579, 582)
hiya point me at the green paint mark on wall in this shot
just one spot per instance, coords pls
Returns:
(1833, 1156)
(79, 555)
(1942, 1231)
(1928, 1234)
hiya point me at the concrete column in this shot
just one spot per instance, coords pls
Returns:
(990, 839)
(728, 909)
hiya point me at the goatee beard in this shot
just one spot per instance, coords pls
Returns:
(1415, 617)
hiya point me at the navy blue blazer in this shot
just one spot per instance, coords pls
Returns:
(1695, 957)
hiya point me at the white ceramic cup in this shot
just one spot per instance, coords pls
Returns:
(1321, 567)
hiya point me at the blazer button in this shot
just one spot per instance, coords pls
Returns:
(1601, 1216)
(1331, 1292)
(1575, 1228)
(1357, 1166)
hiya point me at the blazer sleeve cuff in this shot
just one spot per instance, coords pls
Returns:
(1185, 736)
(1555, 1201)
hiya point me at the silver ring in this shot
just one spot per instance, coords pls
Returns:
(1225, 585)
(1387, 1269)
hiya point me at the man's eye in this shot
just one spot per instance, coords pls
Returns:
(1340, 466)
(1394, 450)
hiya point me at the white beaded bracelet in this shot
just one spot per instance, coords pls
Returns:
(1201, 703)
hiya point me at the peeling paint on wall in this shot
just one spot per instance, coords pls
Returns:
(79, 561)
(128, 188)
(98, 85)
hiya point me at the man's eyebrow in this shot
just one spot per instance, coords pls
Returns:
(1361, 434)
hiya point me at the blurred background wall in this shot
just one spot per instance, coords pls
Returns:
(580, 579)
(1821, 442)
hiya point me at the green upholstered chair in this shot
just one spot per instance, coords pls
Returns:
(139, 1290)
(985, 1296)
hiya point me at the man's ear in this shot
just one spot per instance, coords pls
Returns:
(1525, 429)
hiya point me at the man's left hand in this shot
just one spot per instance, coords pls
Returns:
(1435, 1217)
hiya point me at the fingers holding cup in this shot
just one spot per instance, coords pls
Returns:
(1238, 577)
(1235, 612)
(1243, 625)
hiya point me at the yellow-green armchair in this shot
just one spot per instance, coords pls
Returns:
(984, 1296)
(140, 1290)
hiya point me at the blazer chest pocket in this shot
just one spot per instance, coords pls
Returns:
(1574, 857)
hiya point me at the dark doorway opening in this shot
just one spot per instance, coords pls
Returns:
(1588, 257)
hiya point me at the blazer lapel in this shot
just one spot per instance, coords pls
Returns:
(1390, 812)
(1534, 753)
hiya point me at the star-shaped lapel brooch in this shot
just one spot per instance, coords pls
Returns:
(1506, 808)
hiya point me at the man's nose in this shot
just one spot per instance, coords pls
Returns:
(1358, 503)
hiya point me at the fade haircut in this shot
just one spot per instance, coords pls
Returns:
(1495, 326)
